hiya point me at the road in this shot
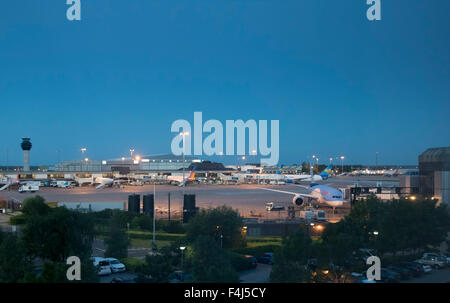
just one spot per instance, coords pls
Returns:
(248, 199)
(261, 274)
(436, 276)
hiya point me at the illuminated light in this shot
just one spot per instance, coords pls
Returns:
(375, 233)
(318, 227)
(123, 158)
(413, 197)
(325, 272)
(86, 159)
(182, 247)
(312, 224)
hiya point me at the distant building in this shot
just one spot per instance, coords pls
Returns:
(139, 163)
(434, 173)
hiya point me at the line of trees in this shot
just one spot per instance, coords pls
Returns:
(48, 236)
(391, 228)
(210, 235)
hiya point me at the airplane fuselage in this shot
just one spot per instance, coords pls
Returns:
(327, 195)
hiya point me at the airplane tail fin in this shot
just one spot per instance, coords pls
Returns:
(192, 175)
(326, 172)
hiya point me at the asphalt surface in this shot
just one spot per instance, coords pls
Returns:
(260, 274)
(248, 199)
(435, 276)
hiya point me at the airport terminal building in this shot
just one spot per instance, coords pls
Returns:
(434, 173)
(152, 163)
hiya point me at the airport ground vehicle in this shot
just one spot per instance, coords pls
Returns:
(266, 258)
(103, 266)
(28, 188)
(270, 206)
(116, 266)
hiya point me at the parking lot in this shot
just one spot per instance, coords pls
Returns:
(436, 276)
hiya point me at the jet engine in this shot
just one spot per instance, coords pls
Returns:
(298, 200)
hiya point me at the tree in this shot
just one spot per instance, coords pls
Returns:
(292, 259)
(221, 223)
(14, 263)
(117, 242)
(210, 263)
(157, 268)
(391, 227)
(35, 206)
(58, 234)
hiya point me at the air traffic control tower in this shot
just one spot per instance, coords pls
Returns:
(26, 147)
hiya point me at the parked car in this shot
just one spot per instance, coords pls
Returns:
(251, 260)
(425, 268)
(433, 261)
(361, 278)
(116, 266)
(404, 272)
(389, 276)
(447, 257)
(120, 280)
(103, 266)
(266, 258)
(416, 269)
(178, 276)
(443, 258)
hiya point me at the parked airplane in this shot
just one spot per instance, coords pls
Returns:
(322, 194)
(310, 178)
(102, 182)
(179, 179)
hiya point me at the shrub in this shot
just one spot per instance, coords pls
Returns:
(17, 220)
(132, 264)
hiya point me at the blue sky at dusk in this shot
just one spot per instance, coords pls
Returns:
(338, 83)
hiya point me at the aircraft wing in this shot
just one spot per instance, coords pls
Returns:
(302, 186)
(289, 192)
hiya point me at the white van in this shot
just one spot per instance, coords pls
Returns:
(28, 188)
(103, 266)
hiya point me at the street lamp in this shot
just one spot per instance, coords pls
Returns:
(184, 134)
(221, 235)
(342, 163)
(131, 152)
(182, 248)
